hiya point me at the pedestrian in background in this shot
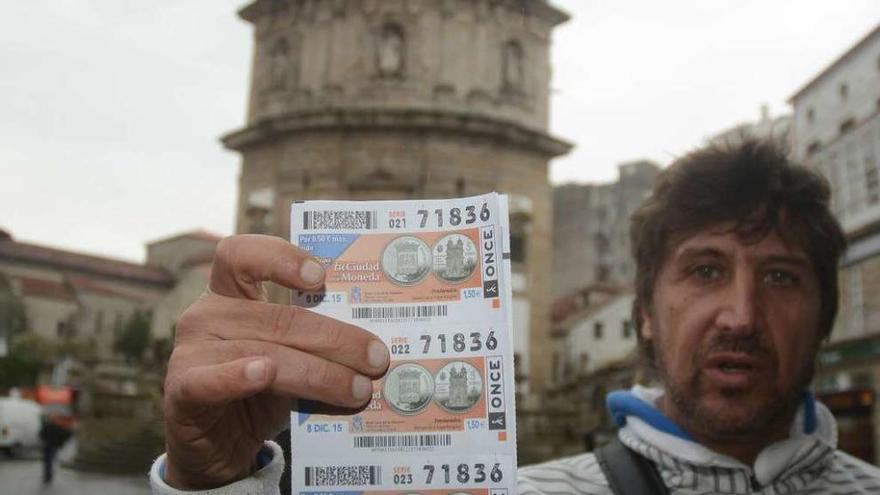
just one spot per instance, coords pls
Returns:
(53, 435)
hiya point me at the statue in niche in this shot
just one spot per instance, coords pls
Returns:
(512, 67)
(258, 220)
(278, 66)
(258, 215)
(390, 51)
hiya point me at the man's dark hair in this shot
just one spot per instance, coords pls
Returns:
(753, 186)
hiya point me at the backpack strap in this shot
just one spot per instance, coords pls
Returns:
(629, 473)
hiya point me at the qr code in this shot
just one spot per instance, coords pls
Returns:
(341, 220)
(343, 475)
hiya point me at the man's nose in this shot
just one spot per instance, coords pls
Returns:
(740, 307)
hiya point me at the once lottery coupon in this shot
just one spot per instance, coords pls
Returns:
(431, 278)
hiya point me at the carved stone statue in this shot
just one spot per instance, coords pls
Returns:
(390, 51)
(512, 66)
(278, 65)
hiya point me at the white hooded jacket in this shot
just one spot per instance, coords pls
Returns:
(806, 462)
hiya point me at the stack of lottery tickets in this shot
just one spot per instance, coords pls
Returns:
(431, 278)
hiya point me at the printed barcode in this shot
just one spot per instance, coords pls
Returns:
(359, 220)
(391, 441)
(343, 475)
(424, 311)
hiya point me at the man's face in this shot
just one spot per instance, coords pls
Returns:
(735, 328)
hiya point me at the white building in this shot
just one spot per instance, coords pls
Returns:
(767, 127)
(596, 336)
(836, 129)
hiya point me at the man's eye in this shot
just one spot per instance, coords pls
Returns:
(781, 278)
(707, 272)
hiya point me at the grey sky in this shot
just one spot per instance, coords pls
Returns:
(110, 110)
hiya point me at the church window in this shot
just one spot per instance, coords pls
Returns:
(844, 90)
(626, 329)
(872, 181)
(459, 187)
(598, 330)
(517, 247)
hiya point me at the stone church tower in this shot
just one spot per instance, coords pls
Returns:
(385, 99)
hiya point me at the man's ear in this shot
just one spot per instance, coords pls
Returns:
(647, 329)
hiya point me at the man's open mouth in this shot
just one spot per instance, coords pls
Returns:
(733, 369)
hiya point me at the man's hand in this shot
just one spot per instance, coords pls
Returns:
(239, 360)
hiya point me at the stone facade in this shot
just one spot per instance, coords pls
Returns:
(397, 99)
(591, 228)
(836, 130)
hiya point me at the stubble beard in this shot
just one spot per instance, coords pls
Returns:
(748, 416)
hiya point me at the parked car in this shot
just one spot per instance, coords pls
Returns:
(19, 425)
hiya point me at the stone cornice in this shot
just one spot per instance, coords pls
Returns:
(410, 120)
(538, 8)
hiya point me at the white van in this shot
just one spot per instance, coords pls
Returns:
(19, 425)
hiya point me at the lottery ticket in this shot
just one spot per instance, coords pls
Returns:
(431, 278)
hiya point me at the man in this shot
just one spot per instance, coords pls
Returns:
(736, 288)
(53, 435)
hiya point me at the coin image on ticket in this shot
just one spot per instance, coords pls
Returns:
(408, 388)
(430, 279)
(406, 260)
(455, 257)
(458, 387)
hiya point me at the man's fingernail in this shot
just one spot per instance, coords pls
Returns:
(311, 272)
(361, 387)
(377, 354)
(255, 371)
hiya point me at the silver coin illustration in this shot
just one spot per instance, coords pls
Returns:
(455, 257)
(406, 260)
(408, 388)
(458, 387)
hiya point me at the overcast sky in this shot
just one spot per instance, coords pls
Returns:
(110, 110)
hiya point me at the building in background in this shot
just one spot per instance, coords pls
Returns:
(594, 336)
(594, 352)
(407, 99)
(591, 228)
(70, 296)
(776, 129)
(836, 130)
